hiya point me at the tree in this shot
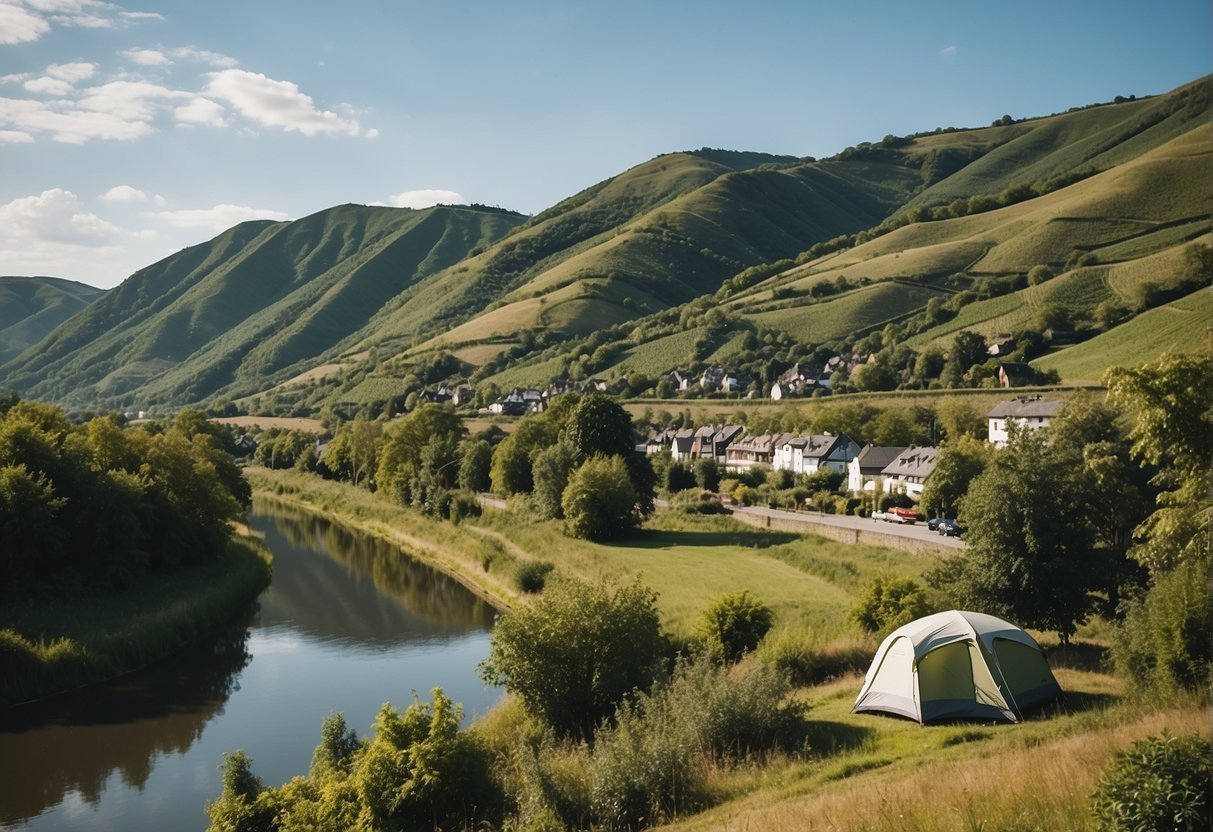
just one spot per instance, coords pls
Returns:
(600, 502)
(957, 466)
(599, 425)
(732, 625)
(574, 654)
(476, 459)
(968, 349)
(707, 474)
(1031, 558)
(550, 473)
(888, 602)
(1172, 402)
(400, 456)
(957, 418)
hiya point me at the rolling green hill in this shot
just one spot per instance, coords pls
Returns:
(30, 307)
(243, 310)
(935, 231)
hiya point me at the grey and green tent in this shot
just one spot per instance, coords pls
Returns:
(958, 665)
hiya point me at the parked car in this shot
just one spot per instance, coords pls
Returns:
(878, 515)
(907, 515)
(950, 528)
(933, 523)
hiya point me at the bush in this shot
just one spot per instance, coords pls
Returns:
(887, 602)
(532, 575)
(1159, 783)
(1165, 643)
(600, 502)
(732, 625)
(573, 655)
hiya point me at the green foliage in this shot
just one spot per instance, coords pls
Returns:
(418, 770)
(550, 474)
(678, 477)
(707, 474)
(889, 601)
(599, 502)
(475, 461)
(732, 625)
(576, 652)
(1030, 560)
(532, 575)
(1165, 642)
(959, 463)
(1159, 783)
(599, 426)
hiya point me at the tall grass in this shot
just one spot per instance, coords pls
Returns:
(50, 648)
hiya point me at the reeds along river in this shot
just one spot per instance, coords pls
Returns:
(348, 623)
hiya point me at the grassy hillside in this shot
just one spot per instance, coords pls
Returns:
(1184, 325)
(231, 315)
(30, 307)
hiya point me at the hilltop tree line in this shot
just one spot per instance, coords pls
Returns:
(87, 508)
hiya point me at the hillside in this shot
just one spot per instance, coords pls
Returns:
(30, 307)
(686, 259)
(243, 309)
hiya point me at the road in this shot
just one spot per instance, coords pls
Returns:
(916, 531)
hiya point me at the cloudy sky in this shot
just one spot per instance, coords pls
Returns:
(130, 130)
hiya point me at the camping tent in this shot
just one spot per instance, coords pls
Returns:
(957, 665)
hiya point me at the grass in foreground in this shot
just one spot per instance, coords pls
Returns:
(51, 648)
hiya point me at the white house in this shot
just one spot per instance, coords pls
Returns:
(909, 471)
(1032, 413)
(865, 470)
(809, 454)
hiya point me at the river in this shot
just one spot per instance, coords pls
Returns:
(348, 623)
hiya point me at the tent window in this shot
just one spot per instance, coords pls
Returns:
(946, 673)
(1025, 669)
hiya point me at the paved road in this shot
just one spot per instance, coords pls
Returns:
(918, 531)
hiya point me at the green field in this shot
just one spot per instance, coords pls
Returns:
(850, 313)
(1185, 325)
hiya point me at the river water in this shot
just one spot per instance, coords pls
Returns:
(348, 623)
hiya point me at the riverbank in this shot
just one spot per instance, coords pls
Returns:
(55, 647)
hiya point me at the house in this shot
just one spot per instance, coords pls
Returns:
(909, 471)
(801, 379)
(749, 451)
(1002, 348)
(724, 436)
(682, 445)
(1031, 412)
(865, 469)
(809, 454)
(510, 405)
(680, 381)
(463, 396)
(1015, 374)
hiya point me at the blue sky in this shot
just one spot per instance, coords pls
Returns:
(130, 130)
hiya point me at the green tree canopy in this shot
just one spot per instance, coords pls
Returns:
(574, 654)
(599, 502)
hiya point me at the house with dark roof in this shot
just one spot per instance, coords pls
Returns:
(809, 454)
(909, 471)
(742, 454)
(1015, 374)
(1030, 413)
(865, 469)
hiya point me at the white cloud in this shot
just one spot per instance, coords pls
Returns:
(73, 73)
(949, 51)
(124, 193)
(219, 218)
(15, 137)
(20, 25)
(146, 57)
(47, 86)
(24, 22)
(203, 56)
(55, 216)
(67, 123)
(134, 101)
(201, 111)
(276, 103)
(425, 198)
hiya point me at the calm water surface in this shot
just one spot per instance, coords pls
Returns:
(347, 624)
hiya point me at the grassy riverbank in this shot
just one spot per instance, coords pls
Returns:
(856, 771)
(53, 647)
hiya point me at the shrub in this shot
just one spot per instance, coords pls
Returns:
(887, 602)
(1165, 643)
(532, 575)
(573, 655)
(600, 502)
(1159, 783)
(732, 625)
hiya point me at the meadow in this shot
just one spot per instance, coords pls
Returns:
(854, 771)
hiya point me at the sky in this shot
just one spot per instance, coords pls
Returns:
(131, 130)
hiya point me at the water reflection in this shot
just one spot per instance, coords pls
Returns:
(74, 743)
(369, 592)
(347, 623)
